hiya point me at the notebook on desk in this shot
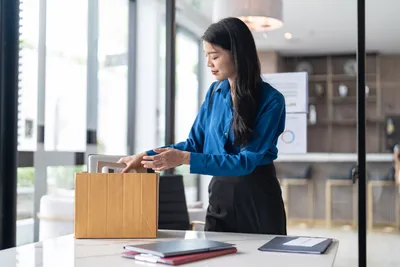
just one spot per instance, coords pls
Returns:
(307, 245)
(178, 247)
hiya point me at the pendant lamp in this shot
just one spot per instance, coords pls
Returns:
(259, 15)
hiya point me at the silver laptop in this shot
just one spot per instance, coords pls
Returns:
(178, 247)
(94, 158)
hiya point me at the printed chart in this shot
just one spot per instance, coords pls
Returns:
(294, 87)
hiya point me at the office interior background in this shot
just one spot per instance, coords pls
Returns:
(75, 83)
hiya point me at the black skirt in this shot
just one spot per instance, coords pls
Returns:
(247, 204)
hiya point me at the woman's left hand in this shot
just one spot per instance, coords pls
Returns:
(165, 159)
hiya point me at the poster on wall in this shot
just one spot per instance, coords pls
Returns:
(294, 138)
(293, 86)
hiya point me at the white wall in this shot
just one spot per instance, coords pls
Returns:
(269, 61)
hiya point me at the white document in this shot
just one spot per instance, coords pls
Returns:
(293, 86)
(305, 241)
(294, 139)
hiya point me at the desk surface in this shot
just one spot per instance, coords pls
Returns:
(68, 252)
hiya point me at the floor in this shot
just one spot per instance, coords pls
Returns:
(383, 249)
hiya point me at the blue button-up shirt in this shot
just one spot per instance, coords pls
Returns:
(211, 137)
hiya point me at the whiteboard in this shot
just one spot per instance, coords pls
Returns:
(294, 138)
(293, 86)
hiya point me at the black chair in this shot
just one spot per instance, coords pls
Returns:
(344, 177)
(389, 176)
(172, 208)
(387, 180)
(340, 180)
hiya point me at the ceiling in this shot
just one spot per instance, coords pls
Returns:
(329, 26)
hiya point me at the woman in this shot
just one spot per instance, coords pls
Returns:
(233, 138)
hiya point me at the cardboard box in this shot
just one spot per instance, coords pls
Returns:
(116, 205)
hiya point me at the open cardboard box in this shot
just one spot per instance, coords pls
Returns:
(116, 205)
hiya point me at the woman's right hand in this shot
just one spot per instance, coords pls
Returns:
(133, 162)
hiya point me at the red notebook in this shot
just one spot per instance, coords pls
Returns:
(177, 260)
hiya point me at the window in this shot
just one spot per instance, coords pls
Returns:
(186, 96)
(27, 118)
(66, 57)
(112, 77)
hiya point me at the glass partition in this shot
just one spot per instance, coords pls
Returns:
(383, 132)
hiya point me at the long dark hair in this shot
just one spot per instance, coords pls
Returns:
(233, 35)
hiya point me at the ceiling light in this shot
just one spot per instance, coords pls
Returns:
(259, 15)
(288, 36)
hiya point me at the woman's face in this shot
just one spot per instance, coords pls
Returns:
(220, 61)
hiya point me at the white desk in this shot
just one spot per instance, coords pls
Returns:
(67, 252)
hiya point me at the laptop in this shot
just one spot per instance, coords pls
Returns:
(178, 260)
(93, 159)
(178, 247)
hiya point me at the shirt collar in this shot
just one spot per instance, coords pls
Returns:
(223, 85)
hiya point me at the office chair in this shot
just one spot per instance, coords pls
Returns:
(301, 179)
(387, 180)
(173, 211)
(336, 180)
